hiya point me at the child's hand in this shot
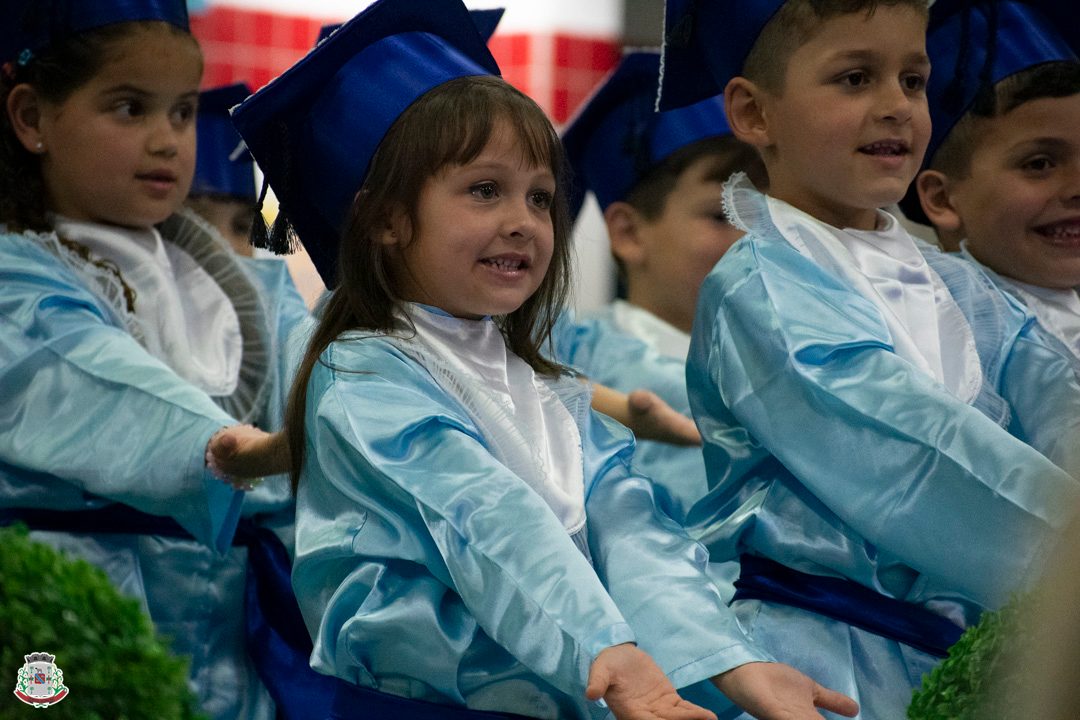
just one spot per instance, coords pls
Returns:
(774, 691)
(634, 688)
(241, 455)
(653, 419)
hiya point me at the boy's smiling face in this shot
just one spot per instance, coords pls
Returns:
(1019, 206)
(847, 132)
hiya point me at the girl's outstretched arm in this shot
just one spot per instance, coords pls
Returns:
(635, 688)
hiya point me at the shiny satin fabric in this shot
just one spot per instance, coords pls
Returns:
(830, 454)
(427, 569)
(88, 417)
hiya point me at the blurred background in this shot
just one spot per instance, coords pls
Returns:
(555, 51)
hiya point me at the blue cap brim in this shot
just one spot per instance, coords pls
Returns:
(617, 136)
(976, 45)
(34, 24)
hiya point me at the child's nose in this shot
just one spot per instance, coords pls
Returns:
(894, 103)
(520, 220)
(164, 137)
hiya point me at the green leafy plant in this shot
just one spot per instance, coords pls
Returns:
(973, 682)
(115, 665)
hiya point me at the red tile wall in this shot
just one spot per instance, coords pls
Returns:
(255, 47)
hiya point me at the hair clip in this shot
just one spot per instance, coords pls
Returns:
(25, 57)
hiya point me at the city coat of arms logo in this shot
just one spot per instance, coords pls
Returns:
(40, 682)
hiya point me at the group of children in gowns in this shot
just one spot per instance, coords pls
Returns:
(888, 437)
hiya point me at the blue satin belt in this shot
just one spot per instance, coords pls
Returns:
(848, 602)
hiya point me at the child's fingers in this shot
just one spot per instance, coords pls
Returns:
(599, 682)
(839, 703)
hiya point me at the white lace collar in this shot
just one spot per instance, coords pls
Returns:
(186, 319)
(660, 335)
(524, 423)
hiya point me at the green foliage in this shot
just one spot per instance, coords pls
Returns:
(114, 665)
(959, 688)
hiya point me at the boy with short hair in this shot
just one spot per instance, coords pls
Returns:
(1003, 177)
(658, 178)
(866, 426)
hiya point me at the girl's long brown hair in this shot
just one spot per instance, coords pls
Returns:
(449, 125)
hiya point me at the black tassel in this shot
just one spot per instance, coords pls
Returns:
(986, 99)
(282, 239)
(260, 237)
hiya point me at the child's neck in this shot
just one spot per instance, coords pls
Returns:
(838, 216)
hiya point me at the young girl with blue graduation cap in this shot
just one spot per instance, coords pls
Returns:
(468, 532)
(130, 335)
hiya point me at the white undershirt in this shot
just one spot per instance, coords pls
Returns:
(187, 320)
(886, 267)
(658, 334)
(525, 425)
(1057, 310)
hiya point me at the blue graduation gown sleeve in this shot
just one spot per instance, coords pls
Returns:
(789, 363)
(75, 385)
(420, 558)
(655, 572)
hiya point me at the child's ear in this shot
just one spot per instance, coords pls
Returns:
(745, 112)
(624, 230)
(394, 228)
(937, 202)
(24, 112)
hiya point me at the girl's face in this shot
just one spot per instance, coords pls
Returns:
(484, 235)
(121, 149)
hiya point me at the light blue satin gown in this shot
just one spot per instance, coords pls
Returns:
(426, 568)
(88, 417)
(830, 454)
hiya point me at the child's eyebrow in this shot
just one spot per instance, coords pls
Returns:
(869, 55)
(127, 89)
(1053, 144)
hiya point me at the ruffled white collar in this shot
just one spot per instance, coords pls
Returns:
(524, 423)
(186, 319)
(885, 266)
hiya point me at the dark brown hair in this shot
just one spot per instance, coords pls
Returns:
(55, 73)
(794, 25)
(449, 125)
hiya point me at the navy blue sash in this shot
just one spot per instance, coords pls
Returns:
(846, 601)
(356, 703)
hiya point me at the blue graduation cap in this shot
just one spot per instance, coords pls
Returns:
(974, 45)
(223, 166)
(486, 23)
(706, 44)
(618, 136)
(31, 25)
(314, 129)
